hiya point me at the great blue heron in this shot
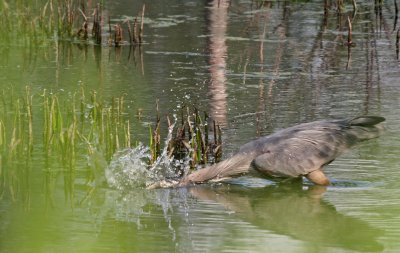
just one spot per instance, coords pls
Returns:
(301, 150)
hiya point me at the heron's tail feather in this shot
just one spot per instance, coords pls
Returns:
(366, 121)
(365, 127)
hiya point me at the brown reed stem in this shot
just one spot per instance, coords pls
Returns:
(118, 35)
(141, 25)
(397, 43)
(349, 32)
(135, 39)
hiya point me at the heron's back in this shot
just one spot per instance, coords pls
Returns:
(301, 149)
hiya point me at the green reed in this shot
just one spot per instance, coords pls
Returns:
(65, 129)
(96, 125)
(16, 141)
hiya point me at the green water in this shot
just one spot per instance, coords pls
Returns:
(253, 69)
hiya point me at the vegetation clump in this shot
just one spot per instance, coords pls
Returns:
(190, 139)
(69, 20)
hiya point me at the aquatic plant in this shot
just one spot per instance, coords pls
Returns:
(66, 132)
(190, 139)
(40, 23)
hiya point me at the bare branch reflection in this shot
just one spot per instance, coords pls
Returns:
(217, 25)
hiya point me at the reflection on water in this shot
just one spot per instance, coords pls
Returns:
(300, 214)
(218, 18)
(206, 215)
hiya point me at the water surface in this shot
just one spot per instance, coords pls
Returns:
(255, 68)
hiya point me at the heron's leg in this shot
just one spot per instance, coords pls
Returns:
(318, 177)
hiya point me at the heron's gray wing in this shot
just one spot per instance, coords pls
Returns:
(300, 153)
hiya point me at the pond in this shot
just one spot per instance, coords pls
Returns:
(255, 67)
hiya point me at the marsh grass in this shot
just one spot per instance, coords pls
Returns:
(97, 125)
(70, 128)
(41, 22)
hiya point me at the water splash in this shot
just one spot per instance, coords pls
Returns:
(162, 167)
(129, 168)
